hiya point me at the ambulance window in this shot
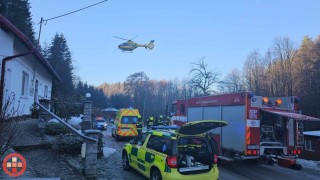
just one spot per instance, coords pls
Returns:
(129, 120)
(160, 144)
(140, 140)
(125, 120)
(153, 142)
(134, 119)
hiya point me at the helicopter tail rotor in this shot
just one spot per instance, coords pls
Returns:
(150, 45)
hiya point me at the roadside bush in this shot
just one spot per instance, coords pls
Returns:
(68, 144)
(56, 129)
(9, 126)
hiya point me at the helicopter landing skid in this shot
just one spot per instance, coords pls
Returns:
(127, 51)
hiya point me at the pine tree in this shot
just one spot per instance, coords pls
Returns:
(63, 97)
(60, 59)
(18, 13)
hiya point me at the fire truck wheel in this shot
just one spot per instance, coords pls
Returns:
(297, 166)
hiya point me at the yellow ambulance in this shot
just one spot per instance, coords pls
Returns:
(125, 124)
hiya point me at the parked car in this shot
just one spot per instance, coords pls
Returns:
(101, 123)
(187, 153)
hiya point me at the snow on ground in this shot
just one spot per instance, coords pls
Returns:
(75, 120)
(108, 151)
(315, 165)
(53, 121)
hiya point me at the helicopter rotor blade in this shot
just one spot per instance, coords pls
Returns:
(134, 37)
(121, 38)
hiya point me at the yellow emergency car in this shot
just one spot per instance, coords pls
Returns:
(187, 153)
(125, 125)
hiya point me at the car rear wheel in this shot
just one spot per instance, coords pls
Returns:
(125, 162)
(155, 175)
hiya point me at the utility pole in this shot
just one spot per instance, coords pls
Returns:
(41, 21)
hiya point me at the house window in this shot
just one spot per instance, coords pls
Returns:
(308, 145)
(45, 91)
(25, 84)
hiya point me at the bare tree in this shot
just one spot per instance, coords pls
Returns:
(233, 82)
(9, 129)
(202, 78)
(136, 86)
(254, 72)
(284, 51)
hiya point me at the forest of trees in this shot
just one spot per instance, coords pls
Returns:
(285, 69)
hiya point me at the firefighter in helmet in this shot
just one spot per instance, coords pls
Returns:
(150, 121)
(139, 124)
(161, 121)
(166, 121)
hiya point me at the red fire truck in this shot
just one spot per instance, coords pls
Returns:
(258, 126)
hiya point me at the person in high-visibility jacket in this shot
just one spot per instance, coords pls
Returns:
(150, 121)
(166, 121)
(160, 121)
(139, 125)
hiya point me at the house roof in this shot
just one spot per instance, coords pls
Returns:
(4, 23)
(312, 133)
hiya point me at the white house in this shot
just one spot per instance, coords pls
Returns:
(25, 74)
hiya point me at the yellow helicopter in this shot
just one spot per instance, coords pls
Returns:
(129, 46)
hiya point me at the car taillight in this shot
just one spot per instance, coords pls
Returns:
(215, 159)
(172, 161)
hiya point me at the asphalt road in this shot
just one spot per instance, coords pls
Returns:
(243, 171)
(112, 164)
(234, 171)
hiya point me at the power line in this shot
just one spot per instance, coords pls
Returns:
(44, 21)
(74, 11)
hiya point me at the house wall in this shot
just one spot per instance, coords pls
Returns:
(315, 153)
(15, 69)
(6, 45)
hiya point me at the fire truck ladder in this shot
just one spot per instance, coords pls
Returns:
(300, 139)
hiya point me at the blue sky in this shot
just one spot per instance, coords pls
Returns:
(184, 31)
